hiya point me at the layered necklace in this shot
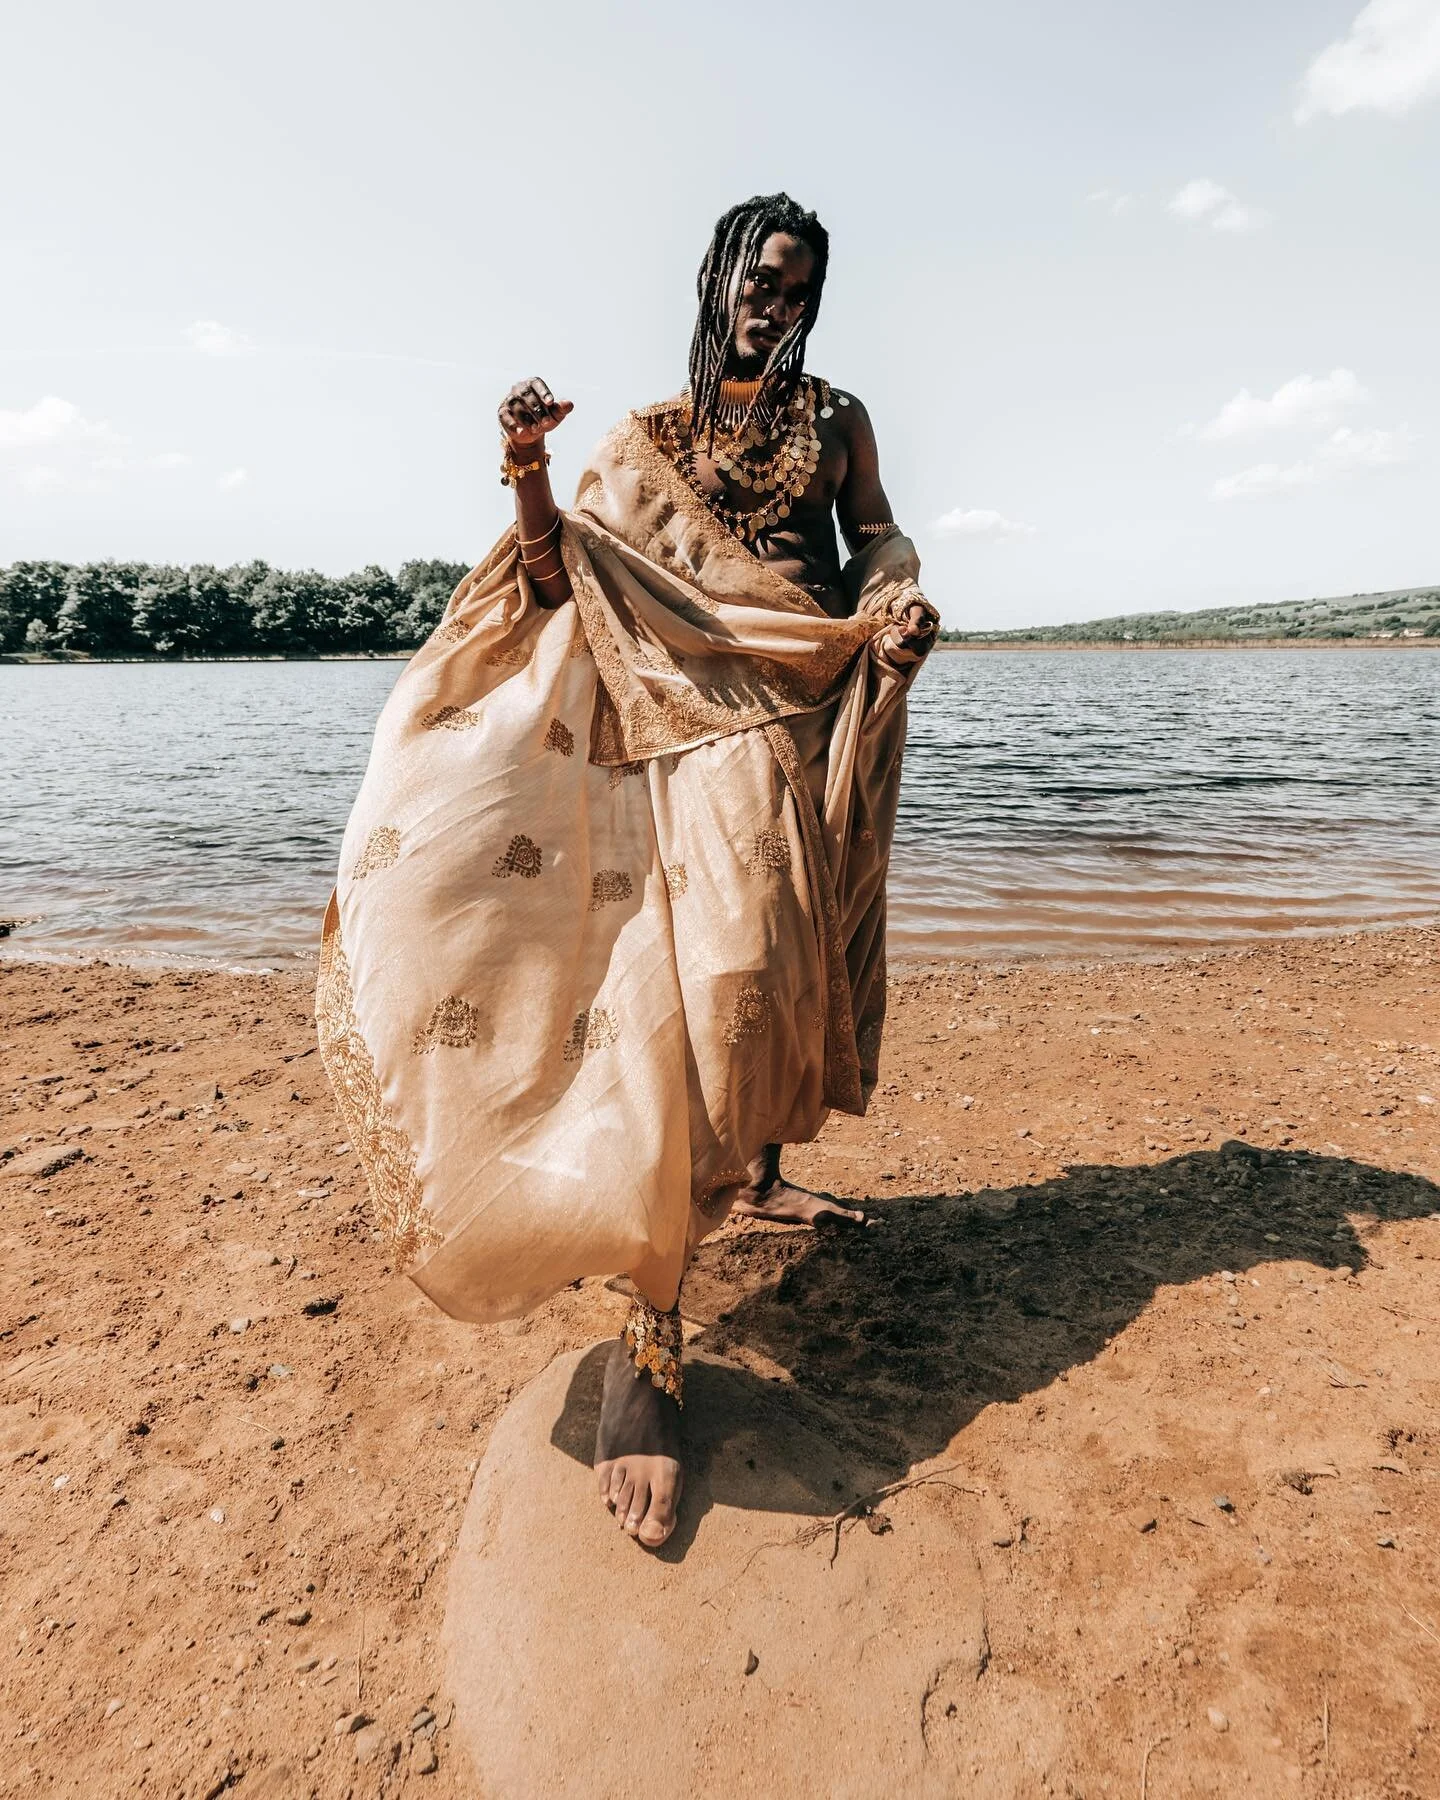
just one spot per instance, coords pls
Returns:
(774, 459)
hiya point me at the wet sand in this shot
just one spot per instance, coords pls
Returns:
(1198, 1385)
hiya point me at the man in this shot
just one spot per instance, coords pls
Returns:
(610, 922)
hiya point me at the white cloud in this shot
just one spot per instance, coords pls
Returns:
(1203, 201)
(1308, 400)
(1343, 453)
(168, 459)
(41, 479)
(1388, 62)
(979, 522)
(232, 479)
(50, 420)
(211, 338)
(1111, 201)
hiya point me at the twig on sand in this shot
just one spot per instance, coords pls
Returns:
(1428, 1630)
(1154, 1744)
(858, 1509)
(1325, 1720)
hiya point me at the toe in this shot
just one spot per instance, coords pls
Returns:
(659, 1522)
(603, 1473)
(620, 1496)
(639, 1506)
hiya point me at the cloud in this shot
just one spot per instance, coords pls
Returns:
(1205, 201)
(1388, 62)
(979, 522)
(1308, 400)
(211, 338)
(50, 420)
(1111, 201)
(1343, 453)
(232, 479)
(42, 479)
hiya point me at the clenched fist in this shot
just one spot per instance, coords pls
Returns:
(529, 412)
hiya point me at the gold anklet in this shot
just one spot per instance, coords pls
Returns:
(654, 1340)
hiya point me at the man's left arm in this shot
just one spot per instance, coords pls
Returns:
(863, 510)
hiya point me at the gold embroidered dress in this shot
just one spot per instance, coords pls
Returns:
(610, 913)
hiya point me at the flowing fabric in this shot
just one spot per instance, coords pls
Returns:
(610, 913)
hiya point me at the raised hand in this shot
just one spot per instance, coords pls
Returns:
(529, 412)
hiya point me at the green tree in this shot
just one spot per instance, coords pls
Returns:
(295, 613)
(426, 588)
(97, 615)
(30, 591)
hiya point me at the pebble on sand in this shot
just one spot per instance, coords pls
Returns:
(1217, 1718)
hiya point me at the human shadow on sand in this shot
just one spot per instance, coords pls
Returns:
(892, 1339)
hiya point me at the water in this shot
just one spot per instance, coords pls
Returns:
(1060, 802)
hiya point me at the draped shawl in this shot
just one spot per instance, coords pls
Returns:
(610, 912)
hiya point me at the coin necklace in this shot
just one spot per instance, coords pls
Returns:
(783, 473)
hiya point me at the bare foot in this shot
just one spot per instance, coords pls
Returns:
(769, 1196)
(637, 1452)
(784, 1204)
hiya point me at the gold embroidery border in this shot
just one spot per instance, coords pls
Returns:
(842, 1060)
(386, 1154)
(630, 724)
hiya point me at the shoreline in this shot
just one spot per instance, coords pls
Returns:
(1417, 643)
(18, 659)
(907, 961)
(238, 1448)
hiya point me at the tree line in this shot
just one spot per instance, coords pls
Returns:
(120, 609)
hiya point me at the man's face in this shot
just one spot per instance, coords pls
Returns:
(772, 299)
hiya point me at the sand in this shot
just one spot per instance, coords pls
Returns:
(1193, 1389)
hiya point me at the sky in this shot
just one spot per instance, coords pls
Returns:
(1141, 298)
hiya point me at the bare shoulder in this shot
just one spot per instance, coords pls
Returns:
(850, 414)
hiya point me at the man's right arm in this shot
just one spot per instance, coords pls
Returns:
(528, 414)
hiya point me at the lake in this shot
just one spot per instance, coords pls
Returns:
(1066, 803)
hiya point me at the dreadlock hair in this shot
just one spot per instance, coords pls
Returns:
(729, 262)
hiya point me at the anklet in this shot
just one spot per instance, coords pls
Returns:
(654, 1340)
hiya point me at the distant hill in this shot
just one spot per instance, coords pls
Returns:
(1402, 613)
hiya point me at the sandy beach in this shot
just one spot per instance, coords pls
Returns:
(1195, 1379)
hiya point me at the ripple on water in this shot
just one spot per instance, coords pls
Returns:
(1061, 803)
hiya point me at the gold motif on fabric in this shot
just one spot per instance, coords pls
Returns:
(751, 1017)
(623, 771)
(655, 1341)
(676, 880)
(560, 738)
(453, 630)
(522, 857)
(516, 657)
(865, 838)
(386, 1154)
(450, 718)
(452, 1026)
(595, 1029)
(382, 851)
(771, 851)
(607, 886)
